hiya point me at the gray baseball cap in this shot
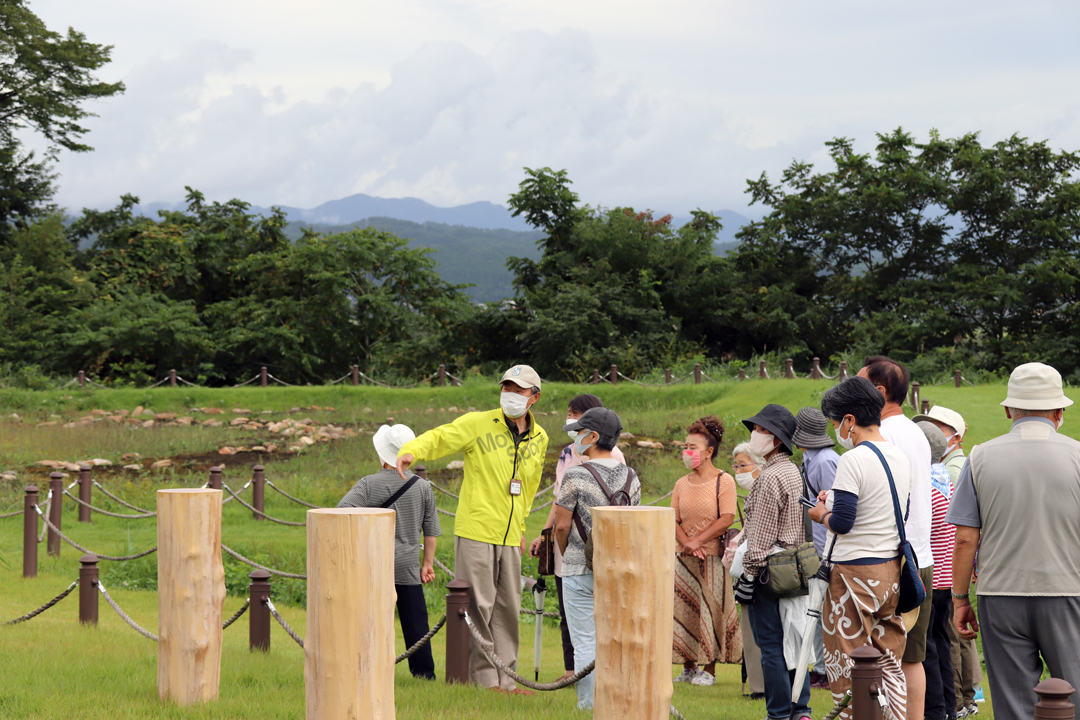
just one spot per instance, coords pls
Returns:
(603, 420)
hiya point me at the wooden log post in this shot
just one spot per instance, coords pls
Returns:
(667, 376)
(925, 407)
(355, 374)
(614, 376)
(958, 378)
(349, 641)
(263, 377)
(88, 590)
(815, 373)
(634, 571)
(595, 377)
(697, 373)
(191, 594)
(442, 375)
(86, 481)
(56, 511)
(789, 370)
(172, 378)
(742, 374)
(30, 532)
(915, 395)
(420, 470)
(457, 632)
(762, 372)
(82, 378)
(215, 477)
(843, 370)
(1053, 703)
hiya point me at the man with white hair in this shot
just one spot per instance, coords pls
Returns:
(1018, 504)
(414, 504)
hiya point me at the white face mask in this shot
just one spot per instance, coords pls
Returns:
(745, 480)
(761, 444)
(513, 405)
(845, 442)
(1061, 422)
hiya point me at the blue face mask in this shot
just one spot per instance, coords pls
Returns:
(579, 448)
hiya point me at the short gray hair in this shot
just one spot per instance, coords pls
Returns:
(1019, 413)
(744, 449)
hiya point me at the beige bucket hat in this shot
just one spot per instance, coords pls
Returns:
(1035, 386)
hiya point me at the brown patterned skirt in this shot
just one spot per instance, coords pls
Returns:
(706, 616)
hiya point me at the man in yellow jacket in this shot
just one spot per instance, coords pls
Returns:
(504, 457)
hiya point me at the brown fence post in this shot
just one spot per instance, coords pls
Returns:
(915, 395)
(761, 371)
(789, 372)
(843, 370)
(742, 374)
(866, 682)
(667, 376)
(258, 613)
(457, 632)
(1053, 701)
(258, 490)
(82, 378)
(925, 407)
(263, 377)
(815, 373)
(56, 510)
(30, 531)
(355, 374)
(88, 590)
(172, 378)
(215, 477)
(697, 373)
(595, 377)
(614, 377)
(85, 484)
(421, 470)
(959, 378)
(442, 375)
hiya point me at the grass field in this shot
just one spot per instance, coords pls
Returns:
(53, 668)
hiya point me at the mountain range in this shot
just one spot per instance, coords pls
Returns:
(471, 242)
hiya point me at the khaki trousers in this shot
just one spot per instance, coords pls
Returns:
(494, 576)
(967, 669)
(755, 678)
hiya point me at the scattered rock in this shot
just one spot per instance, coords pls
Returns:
(165, 416)
(453, 408)
(227, 451)
(240, 411)
(14, 416)
(626, 436)
(130, 456)
(295, 448)
(47, 423)
(241, 449)
(239, 421)
(186, 420)
(147, 424)
(658, 445)
(267, 412)
(116, 418)
(137, 411)
(348, 433)
(161, 464)
(122, 413)
(133, 467)
(472, 409)
(644, 444)
(258, 448)
(288, 431)
(101, 462)
(212, 410)
(212, 423)
(71, 467)
(47, 463)
(316, 407)
(456, 465)
(295, 409)
(271, 448)
(307, 441)
(430, 410)
(98, 413)
(367, 410)
(132, 421)
(327, 408)
(253, 426)
(8, 476)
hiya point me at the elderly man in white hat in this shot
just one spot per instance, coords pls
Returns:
(414, 504)
(1018, 503)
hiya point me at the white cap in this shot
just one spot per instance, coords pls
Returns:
(522, 376)
(1034, 386)
(945, 416)
(389, 439)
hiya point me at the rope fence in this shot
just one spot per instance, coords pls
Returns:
(248, 561)
(422, 641)
(260, 512)
(124, 616)
(489, 650)
(141, 516)
(281, 621)
(290, 497)
(236, 616)
(77, 546)
(109, 495)
(34, 613)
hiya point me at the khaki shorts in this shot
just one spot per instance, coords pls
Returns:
(915, 651)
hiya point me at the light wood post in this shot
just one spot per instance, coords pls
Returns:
(634, 577)
(191, 595)
(349, 640)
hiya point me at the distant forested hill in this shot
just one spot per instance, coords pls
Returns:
(465, 254)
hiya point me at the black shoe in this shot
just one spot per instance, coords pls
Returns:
(754, 696)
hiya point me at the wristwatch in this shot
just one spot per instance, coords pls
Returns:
(958, 596)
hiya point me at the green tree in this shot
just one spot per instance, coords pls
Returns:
(46, 79)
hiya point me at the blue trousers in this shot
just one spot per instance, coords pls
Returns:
(769, 636)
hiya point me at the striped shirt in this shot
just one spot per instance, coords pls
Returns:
(942, 534)
(416, 517)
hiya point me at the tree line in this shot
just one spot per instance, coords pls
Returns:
(942, 253)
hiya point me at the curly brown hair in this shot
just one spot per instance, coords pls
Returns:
(712, 428)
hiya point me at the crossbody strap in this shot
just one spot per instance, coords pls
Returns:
(401, 491)
(892, 489)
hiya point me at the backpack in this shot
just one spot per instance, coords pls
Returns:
(620, 498)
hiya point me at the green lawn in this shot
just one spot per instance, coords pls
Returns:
(53, 668)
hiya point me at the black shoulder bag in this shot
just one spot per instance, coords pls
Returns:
(401, 491)
(616, 498)
(912, 590)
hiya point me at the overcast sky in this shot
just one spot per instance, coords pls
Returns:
(666, 105)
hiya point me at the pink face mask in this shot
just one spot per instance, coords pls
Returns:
(691, 459)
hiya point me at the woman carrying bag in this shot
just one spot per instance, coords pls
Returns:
(865, 542)
(706, 617)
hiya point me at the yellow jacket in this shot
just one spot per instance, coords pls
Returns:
(487, 512)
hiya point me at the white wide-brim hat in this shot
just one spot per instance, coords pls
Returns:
(389, 439)
(945, 416)
(1035, 386)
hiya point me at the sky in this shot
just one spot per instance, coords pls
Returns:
(667, 105)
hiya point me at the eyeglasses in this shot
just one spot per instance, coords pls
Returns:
(743, 466)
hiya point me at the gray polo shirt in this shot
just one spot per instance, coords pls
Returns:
(1023, 491)
(416, 517)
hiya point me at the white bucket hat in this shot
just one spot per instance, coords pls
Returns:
(1034, 386)
(389, 439)
(945, 416)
